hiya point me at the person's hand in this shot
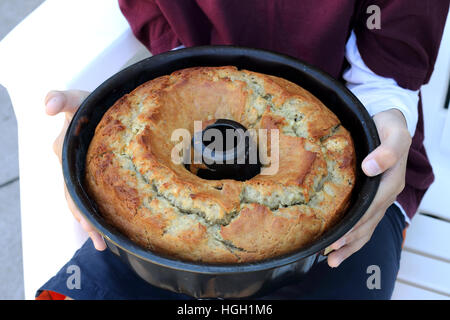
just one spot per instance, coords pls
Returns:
(68, 102)
(390, 159)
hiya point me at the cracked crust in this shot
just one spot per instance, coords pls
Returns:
(167, 209)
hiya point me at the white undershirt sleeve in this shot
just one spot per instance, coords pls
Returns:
(176, 48)
(378, 93)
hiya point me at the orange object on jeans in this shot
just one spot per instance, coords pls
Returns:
(50, 295)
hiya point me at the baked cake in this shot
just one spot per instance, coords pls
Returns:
(167, 209)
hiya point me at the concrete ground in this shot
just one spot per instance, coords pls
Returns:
(11, 271)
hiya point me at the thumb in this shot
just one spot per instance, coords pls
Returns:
(387, 154)
(64, 101)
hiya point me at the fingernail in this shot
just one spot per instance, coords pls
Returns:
(97, 239)
(55, 103)
(327, 250)
(333, 264)
(335, 246)
(371, 167)
(338, 262)
(339, 244)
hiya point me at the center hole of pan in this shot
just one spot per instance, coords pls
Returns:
(225, 149)
(224, 137)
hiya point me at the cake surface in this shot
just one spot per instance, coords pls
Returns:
(167, 209)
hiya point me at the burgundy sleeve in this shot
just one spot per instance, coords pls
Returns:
(406, 45)
(405, 49)
(149, 25)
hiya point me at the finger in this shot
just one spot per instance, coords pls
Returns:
(360, 228)
(391, 185)
(364, 230)
(337, 257)
(360, 236)
(97, 239)
(58, 143)
(356, 232)
(385, 156)
(64, 101)
(74, 210)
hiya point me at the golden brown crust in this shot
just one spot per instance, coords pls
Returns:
(167, 209)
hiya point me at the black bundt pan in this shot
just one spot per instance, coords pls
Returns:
(201, 280)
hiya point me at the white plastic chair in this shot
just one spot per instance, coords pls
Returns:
(425, 264)
(62, 44)
(77, 44)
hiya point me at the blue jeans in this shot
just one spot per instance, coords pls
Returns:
(105, 276)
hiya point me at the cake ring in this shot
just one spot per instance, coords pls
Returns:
(166, 208)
